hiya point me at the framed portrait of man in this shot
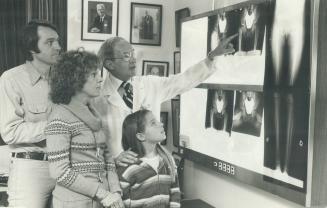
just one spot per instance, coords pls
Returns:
(99, 19)
(156, 68)
(175, 110)
(146, 22)
(177, 62)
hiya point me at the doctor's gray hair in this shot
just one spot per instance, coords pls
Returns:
(106, 50)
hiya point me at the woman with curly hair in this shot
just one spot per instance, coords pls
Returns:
(78, 156)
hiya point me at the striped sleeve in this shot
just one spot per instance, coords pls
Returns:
(58, 135)
(175, 193)
(125, 183)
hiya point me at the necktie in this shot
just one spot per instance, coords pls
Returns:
(128, 94)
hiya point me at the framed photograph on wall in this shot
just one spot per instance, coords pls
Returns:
(177, 62)
(99, 19)
(179, 15)
(175, 109)
(157, 68)
(164, 121)
(146, 22)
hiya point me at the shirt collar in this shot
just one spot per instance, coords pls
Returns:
(33, 73)
(116, 83)
(87, 113)
(110, 83)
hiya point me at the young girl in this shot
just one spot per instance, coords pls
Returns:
(151, 182)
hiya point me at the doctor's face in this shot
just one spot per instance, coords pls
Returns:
(124, 62)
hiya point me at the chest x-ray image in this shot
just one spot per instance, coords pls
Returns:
(220, 28)
(219, 112)
(251, 30)
(223, 25)
(248, 113)
(247, 22)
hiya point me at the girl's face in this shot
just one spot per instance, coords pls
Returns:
(93, 84)
(154, 131)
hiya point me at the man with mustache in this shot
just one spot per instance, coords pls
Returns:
(24, 109)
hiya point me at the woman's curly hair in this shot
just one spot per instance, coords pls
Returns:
(70, 74)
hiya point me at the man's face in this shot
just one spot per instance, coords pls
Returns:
(100, 11)
(121, 68)
(48, 45)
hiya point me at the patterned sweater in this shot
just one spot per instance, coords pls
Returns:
(77, 153)
(143, 187)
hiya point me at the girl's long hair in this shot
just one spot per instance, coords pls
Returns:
(135, 123)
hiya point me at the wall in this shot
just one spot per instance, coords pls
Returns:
(222, 191)
(156, 53)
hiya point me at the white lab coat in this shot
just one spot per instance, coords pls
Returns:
(149, 92)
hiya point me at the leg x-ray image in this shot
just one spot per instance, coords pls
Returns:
(248, 113)
(219, 112)
(286, 137)
(251, 31)
(287, 103)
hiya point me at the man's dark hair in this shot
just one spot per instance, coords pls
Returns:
(30, 38)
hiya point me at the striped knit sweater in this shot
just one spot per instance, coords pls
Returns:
(143, 187)
(78, 156)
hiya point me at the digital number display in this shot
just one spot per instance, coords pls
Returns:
(224, 167)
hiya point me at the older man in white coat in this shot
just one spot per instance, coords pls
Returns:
(124, 93)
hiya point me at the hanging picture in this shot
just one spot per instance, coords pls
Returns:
(175, 110)
(99, 19)
(177, 62)
(146, 24)
(156, 68)
(164, 121)
(179, 16)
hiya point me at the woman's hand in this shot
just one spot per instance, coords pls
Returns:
(125, 158)
(112, 200)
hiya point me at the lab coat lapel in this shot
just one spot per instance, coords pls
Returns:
(112, 95)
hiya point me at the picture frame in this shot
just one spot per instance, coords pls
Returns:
(164, 121)
(175, 112)
(177, 62)
(99, 19)
(146, 24)
(179, 16)
(156, 68)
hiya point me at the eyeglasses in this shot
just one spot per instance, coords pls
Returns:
(127, 56)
